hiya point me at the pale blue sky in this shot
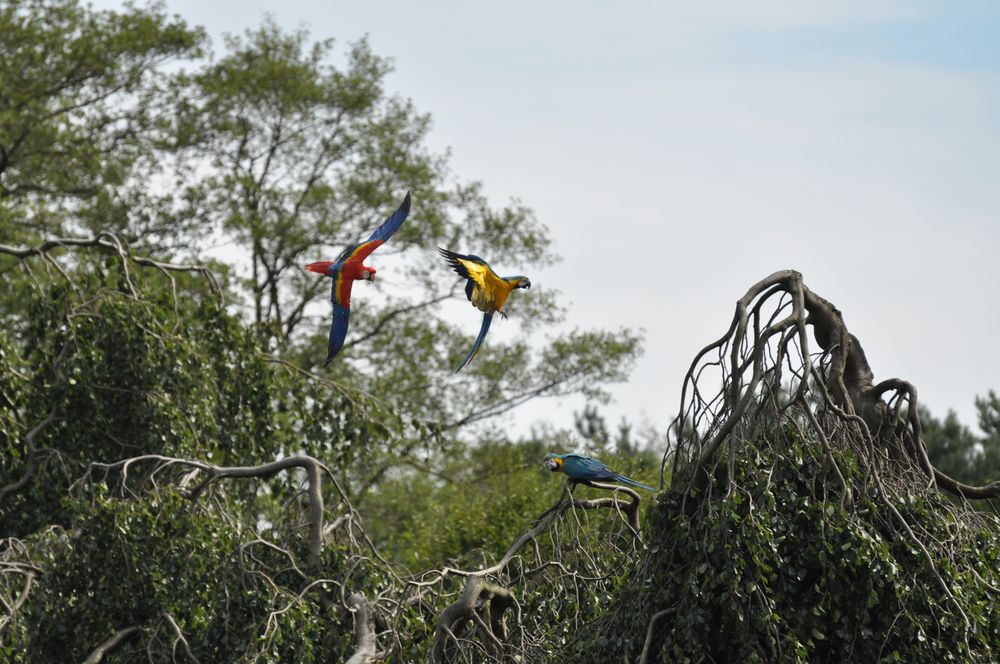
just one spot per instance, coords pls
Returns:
(681, 151)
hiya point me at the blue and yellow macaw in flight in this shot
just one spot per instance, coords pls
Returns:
(487, 291)
(583, 469)
(349, 267)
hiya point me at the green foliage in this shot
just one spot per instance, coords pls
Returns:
(468, 511)
(132, 373)
(105, 357)
(143, 562)
(78, 113)
(958, 452)
(775, 571)
(125, 563)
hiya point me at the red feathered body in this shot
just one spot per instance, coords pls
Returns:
(352, 268)
(348, 268)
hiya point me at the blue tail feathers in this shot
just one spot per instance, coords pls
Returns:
(626, 480)
(487, 319)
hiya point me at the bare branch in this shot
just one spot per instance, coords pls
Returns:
(110, 242)
(364, 630)
(312, 467)
(97, 655)
(32, 462)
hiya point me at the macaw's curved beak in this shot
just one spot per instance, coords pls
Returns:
(320, 266)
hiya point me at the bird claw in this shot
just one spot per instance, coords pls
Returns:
(503, 314)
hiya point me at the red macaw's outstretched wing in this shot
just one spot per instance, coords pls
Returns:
(381, 234)
(487, 318)
(341, 296)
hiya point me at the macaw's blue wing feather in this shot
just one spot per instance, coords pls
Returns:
(487, 319)
(341, 296)
(338, 332)
(580, 467)
(392, 224)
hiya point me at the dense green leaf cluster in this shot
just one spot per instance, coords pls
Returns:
(136, 372)
(469, 511)
(148, 561)
(776, 571)
(79, 113)
(132, 371)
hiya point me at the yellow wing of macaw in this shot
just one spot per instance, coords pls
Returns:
(485, 289)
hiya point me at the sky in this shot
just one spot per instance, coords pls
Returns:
(681, 151)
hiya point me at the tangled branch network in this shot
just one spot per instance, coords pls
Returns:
(764, 385)
(552, 579)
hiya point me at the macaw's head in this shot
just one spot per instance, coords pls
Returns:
(369, 273)
(523, 282)
(322, 267)
(554, 462)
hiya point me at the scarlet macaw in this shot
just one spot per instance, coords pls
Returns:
(347, 268)
(487, 291)
(582, 469)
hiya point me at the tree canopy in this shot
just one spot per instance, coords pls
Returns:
(180, 477)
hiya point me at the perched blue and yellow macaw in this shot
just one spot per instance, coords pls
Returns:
(487, 291)
(583, 469)
(349, 267)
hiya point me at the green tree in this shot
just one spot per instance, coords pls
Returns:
(960, 453)
(290, 153)
(803, 521)
(988, 408)
(174, 478)
(951, 446)
(207, 531)
(78, 116)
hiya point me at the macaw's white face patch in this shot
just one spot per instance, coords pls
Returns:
(552, 464)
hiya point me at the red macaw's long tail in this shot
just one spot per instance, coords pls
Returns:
(487, 319)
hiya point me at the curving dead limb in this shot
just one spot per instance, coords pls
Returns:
(650, 633)
(765, 356)
(32, 455)
(194, 478)
(179, 638)
(163, 465)
(482, 603)
(365, 643)
(11, 568)
(108, 242)
(97, 654)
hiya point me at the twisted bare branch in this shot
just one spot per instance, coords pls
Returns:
(115, 640)
(365, 644)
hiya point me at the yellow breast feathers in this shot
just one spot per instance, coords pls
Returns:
(490, 291)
